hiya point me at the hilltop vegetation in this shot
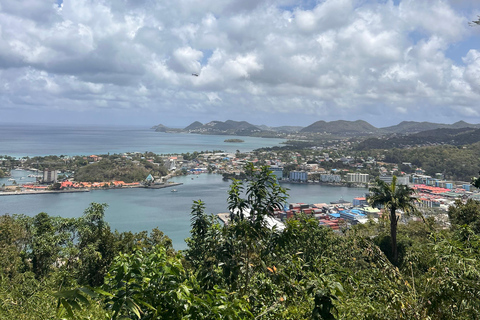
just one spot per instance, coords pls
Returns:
(99, 168)
(456, 137)
(456, 163)
(341, 127)
(127, 171)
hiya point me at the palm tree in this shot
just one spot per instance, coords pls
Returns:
(392, 198)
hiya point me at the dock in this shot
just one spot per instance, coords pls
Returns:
(224, 217)
(21, 193)
(164, 185)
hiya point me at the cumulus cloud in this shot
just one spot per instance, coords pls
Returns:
(332, 59)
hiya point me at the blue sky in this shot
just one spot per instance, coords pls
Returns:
(282, 62)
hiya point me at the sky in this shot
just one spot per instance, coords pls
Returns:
(273, 62)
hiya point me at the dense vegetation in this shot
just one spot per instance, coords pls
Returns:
(128, 171)
(456, 163)
(454, 137)
(244, 270)
(129, 168)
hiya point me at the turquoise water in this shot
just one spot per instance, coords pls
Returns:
(144, 209)
(40, 140)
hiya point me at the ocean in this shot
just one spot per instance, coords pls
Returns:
(19, 140)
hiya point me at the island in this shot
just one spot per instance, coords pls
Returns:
(233, 140)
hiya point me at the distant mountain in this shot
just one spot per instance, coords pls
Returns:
(162, 128)
(193, 126)
(341, 127)
(337, 128)
(228, 127)
(283, 129)
(406, 127)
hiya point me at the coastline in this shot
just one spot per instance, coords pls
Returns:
(32, 192)
(330, 184)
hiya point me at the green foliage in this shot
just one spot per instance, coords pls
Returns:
(392, 198)
(107, 170)
(243, 270)
(465, 214)
(456, 163)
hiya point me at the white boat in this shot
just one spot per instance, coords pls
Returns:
(174, 190)
(11, 179)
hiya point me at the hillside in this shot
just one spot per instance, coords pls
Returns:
(341, 127)
(283, 129)
(228, 127)
(455, 137)
(162, 128)
(406, 127)
(193, 126)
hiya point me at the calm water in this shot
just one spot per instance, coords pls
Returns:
(40, 140)
(144, 209)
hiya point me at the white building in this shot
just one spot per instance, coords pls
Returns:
(400, 180)
(50, 176)
(298, 176)
(357, 177)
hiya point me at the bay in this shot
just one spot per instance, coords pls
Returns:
(136, 209)
(144, 209)
(19, 140)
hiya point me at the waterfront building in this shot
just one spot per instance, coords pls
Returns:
(330, 178)
(277, 171)
(50, 176)
(357, 177)
(400, 180)
(298, 176)
(359, 201)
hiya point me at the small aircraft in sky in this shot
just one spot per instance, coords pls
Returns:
(195, 74)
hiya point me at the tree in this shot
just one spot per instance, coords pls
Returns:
(468, 213)
(96, 245)
(392, 197)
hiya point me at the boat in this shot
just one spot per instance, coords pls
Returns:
(173, 190)
(11, 179)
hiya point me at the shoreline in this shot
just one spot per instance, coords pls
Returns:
(330, 184)
(32, 192)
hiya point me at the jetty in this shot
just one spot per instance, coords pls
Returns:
(27, 192)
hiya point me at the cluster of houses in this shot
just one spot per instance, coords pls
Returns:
(334, 215)
(65, 185)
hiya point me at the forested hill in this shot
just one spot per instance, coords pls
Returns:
(455, 137)
(406, 127)
(341, 127)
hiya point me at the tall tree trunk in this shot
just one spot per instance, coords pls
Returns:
(393, 234)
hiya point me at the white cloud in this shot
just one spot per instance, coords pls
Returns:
(338, 59)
